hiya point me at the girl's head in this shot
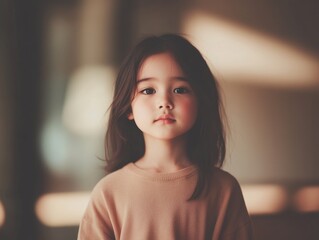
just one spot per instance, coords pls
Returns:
(164, 105)
(124, 140)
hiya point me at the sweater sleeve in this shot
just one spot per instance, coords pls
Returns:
(96, 223)
(235, 222)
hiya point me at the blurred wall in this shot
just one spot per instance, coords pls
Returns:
(56, 56)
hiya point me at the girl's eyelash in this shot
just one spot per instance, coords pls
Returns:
(178, 90)
(181, 90)
(147, 91)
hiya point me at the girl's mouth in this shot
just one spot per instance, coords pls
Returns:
(166, 119)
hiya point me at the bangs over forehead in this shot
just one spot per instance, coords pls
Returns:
(178, 74)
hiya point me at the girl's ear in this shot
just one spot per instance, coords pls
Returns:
(130, 116)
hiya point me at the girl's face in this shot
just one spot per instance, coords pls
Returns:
(164, 105)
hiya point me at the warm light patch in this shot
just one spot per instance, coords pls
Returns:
(61, 209)
(264, 199)
(239, 53)
(307, 199)
(2, 214)
(88, 97)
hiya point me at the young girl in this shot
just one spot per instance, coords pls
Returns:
(165, 145)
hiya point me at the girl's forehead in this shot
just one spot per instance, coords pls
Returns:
(159, 65)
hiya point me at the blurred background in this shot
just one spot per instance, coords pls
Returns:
(58, 62)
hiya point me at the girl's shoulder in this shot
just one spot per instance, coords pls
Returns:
(112, 180)
(224, 179)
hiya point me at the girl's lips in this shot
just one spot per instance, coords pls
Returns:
(166, 118)
(165, 121)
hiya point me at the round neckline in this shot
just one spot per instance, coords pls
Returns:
(158, 176)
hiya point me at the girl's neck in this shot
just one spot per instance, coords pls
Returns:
(164, 156)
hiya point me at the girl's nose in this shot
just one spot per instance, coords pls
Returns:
(166, 106)
(165, 103)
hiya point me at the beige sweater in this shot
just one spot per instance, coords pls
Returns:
(132, 203)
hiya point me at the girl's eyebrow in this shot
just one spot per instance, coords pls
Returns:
(179, 78)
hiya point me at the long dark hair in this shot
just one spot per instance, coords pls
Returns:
(124, 142)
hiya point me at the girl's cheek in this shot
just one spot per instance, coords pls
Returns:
(190, 103)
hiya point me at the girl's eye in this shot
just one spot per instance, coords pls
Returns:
(181, 90)
(148, 91)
